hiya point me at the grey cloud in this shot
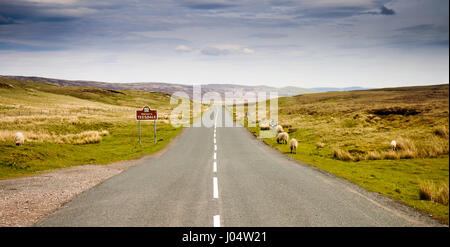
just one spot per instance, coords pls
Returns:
(5, 20)
(331, 12)
(423, 35)
(386, 11)
(82, 23)
(383, 11)
(32, 12)
(25, 47)
(282, 3)
(120, 23)
(269, 35)
(336, 12)
(421, 28)
(207, 5)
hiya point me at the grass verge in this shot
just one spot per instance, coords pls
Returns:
(349, 133)
(67, 126)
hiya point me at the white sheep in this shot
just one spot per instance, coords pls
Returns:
(283, 138)
(19, 138)
(393, 145)
(279, 128)
(293, 144)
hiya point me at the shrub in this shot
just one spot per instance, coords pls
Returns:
(404, 111)
(434, 147)
(441, 131)
(406, 144)
(373, 156)
(85, 137)
(432, 192)
(407, 154)
(342, 155)
(390, 155)
(437, 146)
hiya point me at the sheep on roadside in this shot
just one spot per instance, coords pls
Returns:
(283, 138)
(393, 145)
(279, 128)
(19, 138)
(293, 144)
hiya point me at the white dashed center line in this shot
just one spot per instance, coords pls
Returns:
(215, 188)
(216, 220)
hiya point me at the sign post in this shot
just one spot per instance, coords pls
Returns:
(146, 114)
(154, 127)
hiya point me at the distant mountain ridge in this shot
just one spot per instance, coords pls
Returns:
(170, 88)
(328, 89)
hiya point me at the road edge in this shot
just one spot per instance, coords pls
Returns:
(380, 198)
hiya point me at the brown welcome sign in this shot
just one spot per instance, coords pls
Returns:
(146, 114)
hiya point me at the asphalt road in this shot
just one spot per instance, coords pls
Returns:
(223, 176)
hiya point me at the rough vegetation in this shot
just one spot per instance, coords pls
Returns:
(432, 192)
(349, 134)
(66, 126)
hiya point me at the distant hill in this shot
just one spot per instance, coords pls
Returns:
(170, 88)
(330, 89)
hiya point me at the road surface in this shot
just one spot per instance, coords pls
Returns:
(223, 176)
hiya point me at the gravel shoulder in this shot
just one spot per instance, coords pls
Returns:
(24, 201)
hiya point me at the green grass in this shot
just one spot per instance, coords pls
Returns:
(45, 109)
(121, 144)
(398, 179)
(346, 121)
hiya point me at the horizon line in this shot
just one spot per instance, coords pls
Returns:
(227, 83)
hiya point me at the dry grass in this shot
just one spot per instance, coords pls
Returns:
(358, 127)
(286, 125)
(367, 121)
(342, 155)
(85, 137)
(320, 144)
(430, 191)
(434, 147)
(441, 131)
(389, 155)
(373, 155)
(406, 149)
(407, 145)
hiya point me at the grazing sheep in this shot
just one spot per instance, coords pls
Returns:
(279, 128)
(283, 138)
(293, 144)
(393, 145)
(19, 138)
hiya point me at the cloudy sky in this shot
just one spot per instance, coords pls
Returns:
(310, 43)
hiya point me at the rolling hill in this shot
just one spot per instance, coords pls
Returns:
(170, 88)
